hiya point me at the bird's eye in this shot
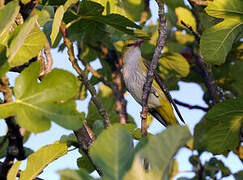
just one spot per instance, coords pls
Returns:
(131, 44)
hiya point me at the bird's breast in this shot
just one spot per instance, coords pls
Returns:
(134, 79)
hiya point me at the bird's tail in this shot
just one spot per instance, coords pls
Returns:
(164, 115)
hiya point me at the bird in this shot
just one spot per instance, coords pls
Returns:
(134, 71)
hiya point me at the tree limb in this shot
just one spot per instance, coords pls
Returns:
(159, 46)
(15, 147)
(83, 76)
(191, 106)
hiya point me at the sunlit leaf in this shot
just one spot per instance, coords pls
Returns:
(38, 103)
(174, 62)
(219, 131)
(7, 15)
(186, 16)
(56, 23)
(12, 173)
(26, 44)
(225, 8)
(184, 38)
(137, 171)
(37, 161)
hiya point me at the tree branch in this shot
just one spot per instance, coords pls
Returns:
(191, 106)
(15, 147)
(147, 86)
(110, 56)
(86, 137)
(83, 76)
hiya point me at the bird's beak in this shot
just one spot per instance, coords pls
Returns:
(138, 42)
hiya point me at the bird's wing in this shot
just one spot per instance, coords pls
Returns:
(165, 89)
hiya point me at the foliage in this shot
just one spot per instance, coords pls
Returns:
(204, 46)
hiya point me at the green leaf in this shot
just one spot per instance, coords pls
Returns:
(7, 15)
(225, 8)
(219, 131)
(3, 147)
(117, 21)
(174, 62)
(69, 174)
(38, 103)
(4, 66)
(238, 175)
(84, 163)
(37, 161)
(115, 158)
(217, 41)
(68, 3)
(46, 14)
(174, 4)
(132, 9)
(12, 173)
(69, 140)
(162, 147)
(108, 100)
(26, 44)
(56, 23)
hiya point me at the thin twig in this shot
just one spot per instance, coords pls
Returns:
(191, 106)
(83, 76)
(196, 35)
(49, 60)
(157, 53)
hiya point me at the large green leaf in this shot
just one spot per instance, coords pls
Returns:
(38, 103)
(56, 23)
(37, 161)
(89, 23)
(26, 44)
(225, 8)
(161, 148)
(7, 15)
(217, 41)
(112, 152)
(219, 131)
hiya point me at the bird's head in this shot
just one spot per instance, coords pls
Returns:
(131, 51)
